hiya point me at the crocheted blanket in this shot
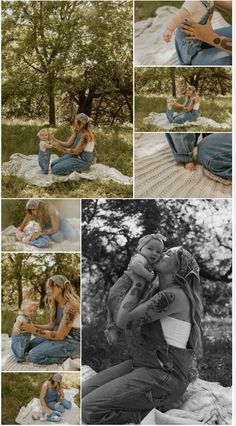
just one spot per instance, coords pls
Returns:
(9, 362)
(150, 48)
(160, 120)
(11, 242)
(69, 417)
(26, 166)
(202, 403)
(157, 175)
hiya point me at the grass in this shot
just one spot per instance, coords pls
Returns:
(218, 109)
(19, 388)
(147, 9)
(113, 148)
(9, 316)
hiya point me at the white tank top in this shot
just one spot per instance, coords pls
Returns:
(175, 331)
(89, 147)
(196, 106)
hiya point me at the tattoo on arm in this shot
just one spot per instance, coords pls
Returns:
(226, 43)
(129, 306)
(158, 304)
(137, 291)
(40, 331)
(70, 315)
(53, 334)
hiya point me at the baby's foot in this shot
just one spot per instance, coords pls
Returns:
(190, 167)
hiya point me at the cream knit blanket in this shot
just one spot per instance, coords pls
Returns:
(157, 175)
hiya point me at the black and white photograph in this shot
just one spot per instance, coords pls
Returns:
(156, 311)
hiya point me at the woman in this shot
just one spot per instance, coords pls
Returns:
(217, 46)
(164, 345)
(53, 227)
(190, 107)
(78, 149)
(60, 339)
(52, 397)
(214, 153)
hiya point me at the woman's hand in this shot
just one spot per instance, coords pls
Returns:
(196, 31)
(48, 411)
(27, 328)
(57, 404)
(35, 235)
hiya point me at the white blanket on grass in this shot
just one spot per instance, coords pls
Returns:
(150, 48)
(10, 241)
(9, 362)
(26, 166)
(202, 403)
(158, 175)
(69, 417)
(160, 120)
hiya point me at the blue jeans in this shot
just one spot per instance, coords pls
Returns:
(215, 154)
(64, 403)
(44, 160)
(123, 394)
(45, 352)
(67, 164)
(206, 54)
(66, 232)
(182, 117)
(181, 145)
(19, 345)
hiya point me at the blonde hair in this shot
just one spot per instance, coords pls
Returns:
(68, 292)
(86, 131)
(42, 130)
(26, 303)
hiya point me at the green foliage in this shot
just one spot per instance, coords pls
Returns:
(9, 316)
(19, 388)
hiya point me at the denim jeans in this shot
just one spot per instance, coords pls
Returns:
(44, 160)
(205, 54)
(43, 351)
(19, 345)
(64, 403)
(215, 154)
(124, 394)
(182, 117)
(66, 232)
(181, 145)
(67, 164)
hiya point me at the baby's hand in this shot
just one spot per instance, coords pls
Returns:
(16, 328)
(167, 35)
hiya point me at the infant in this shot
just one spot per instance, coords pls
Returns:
(197, 11)
(29, 230)
(150, 248)
(45, 146)
(38, 414)
(19, 340)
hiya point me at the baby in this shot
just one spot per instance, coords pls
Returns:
(197, 11)
(29, 230)
(38, 414)
(19, 340)
(150, 248)
(45, 146)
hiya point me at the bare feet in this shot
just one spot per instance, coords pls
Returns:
(190, 167)
(216, 178)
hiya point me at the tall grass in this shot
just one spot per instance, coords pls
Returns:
(18, 389)
(218, 109)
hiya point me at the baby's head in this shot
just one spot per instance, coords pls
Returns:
(43, 134)
(151, 246)
(36, 414)
(29, 307)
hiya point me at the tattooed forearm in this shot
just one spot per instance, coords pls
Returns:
(137, 290)
(161, 301)
(225, 43)
(70, 315)
(129, 306)
(53, 334)
(40, 331)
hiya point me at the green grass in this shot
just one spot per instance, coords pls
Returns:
(113, 148)
(218, 109)
(146, 9)
(19, 388)
(9, 316)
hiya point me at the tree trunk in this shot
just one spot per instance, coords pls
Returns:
(51, 99)
(172, 76)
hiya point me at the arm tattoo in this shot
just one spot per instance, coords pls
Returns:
(70, 315)
(129, 306)
(53, 334)
(226, 43)
(137, 291)
(40, 331)
(158, 304)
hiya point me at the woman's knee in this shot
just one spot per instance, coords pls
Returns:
(34, 356)
(67, 404)
(89, 411)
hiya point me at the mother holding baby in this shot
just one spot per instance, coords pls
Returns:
(60, 338)
(78, 149)
(164, 344)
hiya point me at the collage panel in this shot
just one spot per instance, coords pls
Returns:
(40, 312)
(193, 33)
(37, 225)
(150, 269)
(183, 165)
(180, 98)
(67, 110)
(28, 398)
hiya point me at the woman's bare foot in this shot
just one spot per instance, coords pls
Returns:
(190, 167)
(216, 178)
